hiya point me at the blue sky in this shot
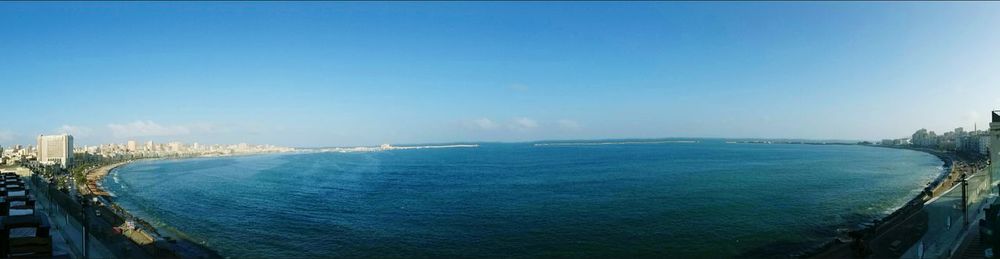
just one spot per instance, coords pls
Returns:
(337, 74)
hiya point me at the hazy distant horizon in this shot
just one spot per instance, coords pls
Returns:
(851, 141)
(352, 74)
(142, 141)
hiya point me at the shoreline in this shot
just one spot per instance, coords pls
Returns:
(177, 245)
(821, 250)
(95, 176)
(835, 247)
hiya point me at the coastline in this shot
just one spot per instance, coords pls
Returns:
(836, 248)
(826, 249)
(179, 246)
(95, 176)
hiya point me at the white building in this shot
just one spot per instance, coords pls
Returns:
(131, 146)
(55, 149)
(175, 146)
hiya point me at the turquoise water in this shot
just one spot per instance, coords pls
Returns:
(705, 199)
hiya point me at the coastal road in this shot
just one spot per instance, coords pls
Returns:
(70, 230)
(897, 236)
(125, 247)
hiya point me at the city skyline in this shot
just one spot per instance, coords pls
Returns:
(353, 74)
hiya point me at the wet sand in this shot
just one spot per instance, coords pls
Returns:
(95, 175)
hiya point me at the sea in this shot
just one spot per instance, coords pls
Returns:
(702, 198)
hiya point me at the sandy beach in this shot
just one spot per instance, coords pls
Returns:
(179, 247)
(94, 176)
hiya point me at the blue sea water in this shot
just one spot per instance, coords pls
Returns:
(704, 199)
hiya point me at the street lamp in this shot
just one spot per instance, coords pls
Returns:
(965, 199)
(86, 227)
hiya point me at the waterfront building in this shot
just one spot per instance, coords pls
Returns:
(949, 140)
(131, 146)
(983, 144)
(975, 142)
(924, 138)
(55, 149)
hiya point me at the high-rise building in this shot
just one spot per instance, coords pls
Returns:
(131, 146)
(149, 145)
(175, 146)
(56, 149)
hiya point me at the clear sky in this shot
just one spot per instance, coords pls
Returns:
(341, 74)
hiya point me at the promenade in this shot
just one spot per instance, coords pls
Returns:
(67, 217)
(896, 235)
(68, 232)
(139, 240)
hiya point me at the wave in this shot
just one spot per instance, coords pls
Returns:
(614, 143)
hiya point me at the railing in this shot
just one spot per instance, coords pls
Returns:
(945, 222)
(66, 219)
(108, 242)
